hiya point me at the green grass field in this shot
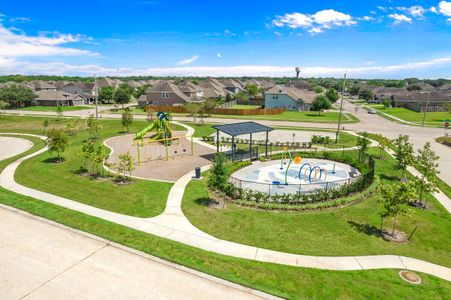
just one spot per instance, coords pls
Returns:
(53, 108)
(432, 118)
(345, 231)
(297, 116)
(141, 198)
(283, 281)
(242, 106)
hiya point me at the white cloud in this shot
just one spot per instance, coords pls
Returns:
(13, 43)
(12, 66)
(219, 55)
(400, 18)
(20, 20)
(366, 18)
(416, 11)
(188, 61)
(433, 9)
(315, 23)
(444, 8)
(229, 33)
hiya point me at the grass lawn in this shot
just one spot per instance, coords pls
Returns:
(343, 231)
(432, 118)
(135, 111)
(53, 108)
(141, 198)
(297, 116)
(283, 281)
(242, 106)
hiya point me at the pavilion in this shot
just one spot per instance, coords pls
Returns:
(237, 129)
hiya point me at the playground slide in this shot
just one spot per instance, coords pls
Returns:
(161, 124)
(141, 134)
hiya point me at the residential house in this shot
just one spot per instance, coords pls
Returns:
(166, 93)
(213, 88)
(58, 98)
(79, 88)
(418, 101)
(232, 85)
(190, 89)
(289, 97)
(105, 82)
(41, 85)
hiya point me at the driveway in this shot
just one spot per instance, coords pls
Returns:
(41, 260)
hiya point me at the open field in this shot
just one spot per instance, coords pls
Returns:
(432, 118)
(345, 231)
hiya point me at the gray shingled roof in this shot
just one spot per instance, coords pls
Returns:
(292, 92)
(236, 129)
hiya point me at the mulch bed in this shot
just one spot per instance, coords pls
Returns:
(396, 236)
(410, 277)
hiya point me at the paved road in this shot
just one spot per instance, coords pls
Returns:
(368, 122)
(40, 260)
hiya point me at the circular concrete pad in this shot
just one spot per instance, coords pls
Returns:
(12, 146)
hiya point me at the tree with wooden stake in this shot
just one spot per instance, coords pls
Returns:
(394, 198)
(126, 165)
(57, 142)
(426, 164)
(127, 119)
(403, 153)
(383, 143)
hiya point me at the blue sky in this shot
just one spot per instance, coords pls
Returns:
(368, 39)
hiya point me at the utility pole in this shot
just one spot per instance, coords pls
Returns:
(426, 110)
(341, 109)
(96, 95)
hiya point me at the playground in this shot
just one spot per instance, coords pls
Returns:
(287, 177)
(159, 152)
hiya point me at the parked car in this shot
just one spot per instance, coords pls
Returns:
(372, 111)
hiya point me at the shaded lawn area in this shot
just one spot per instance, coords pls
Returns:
(141, 198)
(432, 118)
(342, 231)
(53, 108)
(296, 116)
(283, 281)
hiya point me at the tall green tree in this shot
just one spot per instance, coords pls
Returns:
(318, 89)
(363, 142)
(320, 103)
(209, 106)
(3, 105)
(332, 95)
(106, 94)
(403, 153)
(17, 95)
(57, 142)
(252, 90)
(122, 96)
(140, 91)
(366, 94)
(426, 162)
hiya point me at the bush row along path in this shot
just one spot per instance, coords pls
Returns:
(172, 224)
(368, 122)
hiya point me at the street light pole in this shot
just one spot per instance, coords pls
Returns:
(96, 94)
(426, 110)
(341, 108)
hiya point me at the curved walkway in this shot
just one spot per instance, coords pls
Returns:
(173, 225)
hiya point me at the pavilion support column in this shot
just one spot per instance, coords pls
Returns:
(250, 147)
(217, 141)
(233, 147)
(266, 144)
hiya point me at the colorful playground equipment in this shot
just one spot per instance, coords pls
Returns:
(161, 134)
(312, 170)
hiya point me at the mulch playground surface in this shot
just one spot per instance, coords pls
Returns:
(153, 157)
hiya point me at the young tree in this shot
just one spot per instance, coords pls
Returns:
(126, 165)
(363, 142)
(99, 156)
(72, 127)
(3, 105)
(383, 143)
(59, 112)
(106, 94)
(17, 95)
(320, 103)
(127, 119)
(93, 127)
(394, 199)
(193, 109)
(332, 95)
(403, 153)
(122, 96)
(386, 102)
(46, 124)
(426, 164)
(87, 153)
(209, 106)
(57, 142)
(218, 176)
